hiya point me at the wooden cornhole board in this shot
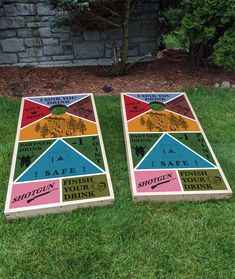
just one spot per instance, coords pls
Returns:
(168, 154)
(59, 160)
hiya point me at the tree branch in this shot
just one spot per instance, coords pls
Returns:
(110, 10)
(104, 19)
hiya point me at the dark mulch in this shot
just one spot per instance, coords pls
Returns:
(161, 75)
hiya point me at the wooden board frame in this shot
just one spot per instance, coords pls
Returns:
(59, 206)
(171, 195)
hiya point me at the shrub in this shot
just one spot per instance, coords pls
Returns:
(206, 28)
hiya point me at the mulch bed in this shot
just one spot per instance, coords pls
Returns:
(161, 75)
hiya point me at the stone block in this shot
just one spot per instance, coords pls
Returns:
(149, 28)
(108, 52)
(33, 18)
(8, 58)
(33, 42)
(7, 33)
(64, 29)
(39, 51)
(18, 9)
(53, 50)
(148, 47)
(28, 60)
(45, 32)
(65, 42)
(44, 58)
(133, 50)
(50, 42)
(104, 62)
(88, 49)
(75, 39)
(24, 32)
(12, 22)
(150, 7)
(28, 53)
(86, 62)
(37, 24)
(117, 34)
(63, 57)
(47, 18)
(135, 28)
(22, 65)
(68, 50)
(140, 59)
(44, 10)
(2, 12)
(91, 35)
(35, 33)
(12, 45)
(59, 35)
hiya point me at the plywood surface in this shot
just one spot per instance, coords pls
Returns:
(169, 156)
(59, 160)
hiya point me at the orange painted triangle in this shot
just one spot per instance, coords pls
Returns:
(54, 126)
(162, 121)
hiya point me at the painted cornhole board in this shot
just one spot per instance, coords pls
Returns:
(59, 161)
(169, 156)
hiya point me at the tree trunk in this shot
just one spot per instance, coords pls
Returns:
(119, 68)
(197, 54)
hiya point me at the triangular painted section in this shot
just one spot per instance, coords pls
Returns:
(28, 152)
(33, 112)
(158, 97)
(58, 100)
(134, 107)
(59, 161)
(181, 106)
(196, 142)
(140, 145)
(83, 108)
(170, 154)
(89, 147)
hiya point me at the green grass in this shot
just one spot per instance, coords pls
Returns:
(127, 239)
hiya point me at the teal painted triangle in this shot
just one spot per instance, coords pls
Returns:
(168, 153)
(59, 161)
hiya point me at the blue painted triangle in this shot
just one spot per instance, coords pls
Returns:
(59, 161)
(152, 97)
(59, 100)
(170, 154)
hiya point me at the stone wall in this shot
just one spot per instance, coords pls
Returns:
(26, 37)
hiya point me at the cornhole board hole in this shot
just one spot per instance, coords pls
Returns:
(59, 160)
(169, 156)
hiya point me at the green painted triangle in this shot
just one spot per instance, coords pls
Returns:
(28, 152)
(89, 147)
(196, 142)
(140, 145)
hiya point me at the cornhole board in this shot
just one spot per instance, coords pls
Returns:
(169, 156)
(59, 161)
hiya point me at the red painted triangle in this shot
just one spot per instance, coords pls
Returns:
(134, 107)
(83, 109)
(33, 112)
(181, 106)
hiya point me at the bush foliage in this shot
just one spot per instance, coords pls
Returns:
(206, 28)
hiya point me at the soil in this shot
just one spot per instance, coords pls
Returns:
(168, 74)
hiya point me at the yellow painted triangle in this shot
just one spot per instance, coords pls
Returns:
(162, 121)
(58, 126)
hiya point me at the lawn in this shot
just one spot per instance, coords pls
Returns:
(127, 239)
